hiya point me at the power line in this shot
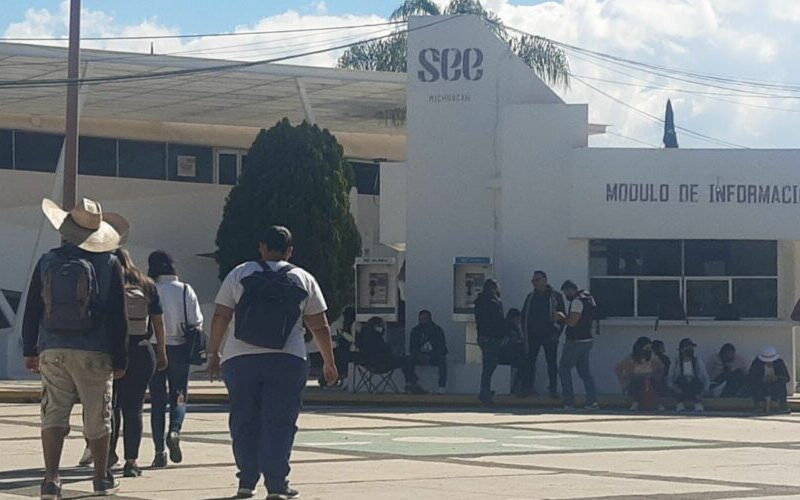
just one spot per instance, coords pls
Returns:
(199, 35)
(193, 71)
(644, 143)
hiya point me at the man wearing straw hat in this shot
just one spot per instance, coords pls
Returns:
(75, 334)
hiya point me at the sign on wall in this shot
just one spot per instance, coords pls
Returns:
(187, 166)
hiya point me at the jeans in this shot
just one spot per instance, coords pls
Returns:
(439, 361)
(689, 389)
(176, 377)
(490, 350)
(266, 392)
(128, 398)
(576, 354)
(550, 355)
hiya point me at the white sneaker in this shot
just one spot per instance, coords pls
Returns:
(441, 390)
(698, 408)
(680, 407)
(245, 493)
(635, 406)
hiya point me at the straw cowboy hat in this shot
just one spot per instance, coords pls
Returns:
(87, 226)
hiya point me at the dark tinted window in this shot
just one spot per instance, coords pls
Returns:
(6, 151)
(190, 163)
(97, 156)
(731, 258)
(368, 180)
(142, 160)
(654, 296)
(227, 169)
(706, 298)
(37, 152)
(635, 257)
(756, 298)
(614, 296)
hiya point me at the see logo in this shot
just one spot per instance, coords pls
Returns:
(450, 65)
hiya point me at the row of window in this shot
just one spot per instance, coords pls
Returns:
(706, 278)
(39, 152)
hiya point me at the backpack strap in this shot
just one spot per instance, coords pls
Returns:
(185, 314)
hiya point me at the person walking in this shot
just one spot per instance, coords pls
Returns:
(263, 362)
(578, 320)
(491, 325)
(170, 387)
(428, 347)
(145, 318)
(541, 331)
(75, 334)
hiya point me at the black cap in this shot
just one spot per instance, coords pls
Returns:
(569, 284)
(687, 342)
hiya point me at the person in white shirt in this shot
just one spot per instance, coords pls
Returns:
(688, 377)
(170, 386)
(265, 384)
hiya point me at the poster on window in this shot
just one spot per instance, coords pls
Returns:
(378, 288)
(187, 166)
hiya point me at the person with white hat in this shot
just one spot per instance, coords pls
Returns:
(768, 377)
(75, 333)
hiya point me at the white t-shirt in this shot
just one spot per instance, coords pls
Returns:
(575, 306)
(231, 291)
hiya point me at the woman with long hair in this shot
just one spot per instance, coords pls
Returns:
(145, 318)
(169, 388)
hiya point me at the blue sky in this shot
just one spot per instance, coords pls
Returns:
(753, 39)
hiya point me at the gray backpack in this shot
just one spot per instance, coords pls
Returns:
(70, 294)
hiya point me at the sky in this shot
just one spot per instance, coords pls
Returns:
(740, 39)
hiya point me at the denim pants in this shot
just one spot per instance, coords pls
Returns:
(490, 351)
(128, 398)
(266, 393)
(551, 356)
(169, 387)
(576, 354)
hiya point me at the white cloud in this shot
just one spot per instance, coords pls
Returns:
(752, 39)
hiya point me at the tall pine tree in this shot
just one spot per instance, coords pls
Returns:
(295, 176)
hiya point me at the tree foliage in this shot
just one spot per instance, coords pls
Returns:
(295, 176)
(548, 61)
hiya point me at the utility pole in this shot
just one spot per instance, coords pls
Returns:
(71, 135)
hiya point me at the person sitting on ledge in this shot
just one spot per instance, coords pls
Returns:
(638, 375)
(728, 372)
(376, 354)
(768, 377)
(688, 377)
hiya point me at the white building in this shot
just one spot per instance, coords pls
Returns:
(496, 167)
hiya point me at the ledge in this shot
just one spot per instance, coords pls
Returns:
(699, 323)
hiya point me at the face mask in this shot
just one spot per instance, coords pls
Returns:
(379, 329)
(688, 353)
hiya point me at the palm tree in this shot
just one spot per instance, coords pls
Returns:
(548, 60)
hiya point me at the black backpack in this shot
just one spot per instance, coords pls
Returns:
(269, 307)
(70, 293)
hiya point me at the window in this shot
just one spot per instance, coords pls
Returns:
(37, 152)
(230, 164)
(6, 149)
(367, 177)
(190, 163)
(645, 278)
(142, 160)
(97, 156)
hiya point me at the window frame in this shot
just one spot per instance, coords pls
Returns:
(239, 153)
(684, 281)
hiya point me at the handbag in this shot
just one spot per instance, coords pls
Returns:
(195, 338)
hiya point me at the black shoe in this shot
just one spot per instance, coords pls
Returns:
(286, 494)
(106, 486)
(160, 461)
(174, 445)
(50, 490)
(131, 470)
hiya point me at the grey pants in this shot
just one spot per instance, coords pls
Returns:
(576, 354)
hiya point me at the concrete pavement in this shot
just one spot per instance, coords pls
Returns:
(426, 453)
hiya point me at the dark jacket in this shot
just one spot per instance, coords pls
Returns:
(110, 336)
(556, 302)
(429, 333)
(756, 374)
(489, 316)
(371, 345)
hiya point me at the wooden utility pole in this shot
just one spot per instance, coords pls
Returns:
(71, 135)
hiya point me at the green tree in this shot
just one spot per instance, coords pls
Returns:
(295, 176)
(548, 61)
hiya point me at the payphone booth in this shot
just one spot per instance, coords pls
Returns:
(376, 288)
(469, 274)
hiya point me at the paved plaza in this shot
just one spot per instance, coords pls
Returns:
(360, 453)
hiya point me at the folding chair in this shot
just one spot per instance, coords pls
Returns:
(364, 379)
